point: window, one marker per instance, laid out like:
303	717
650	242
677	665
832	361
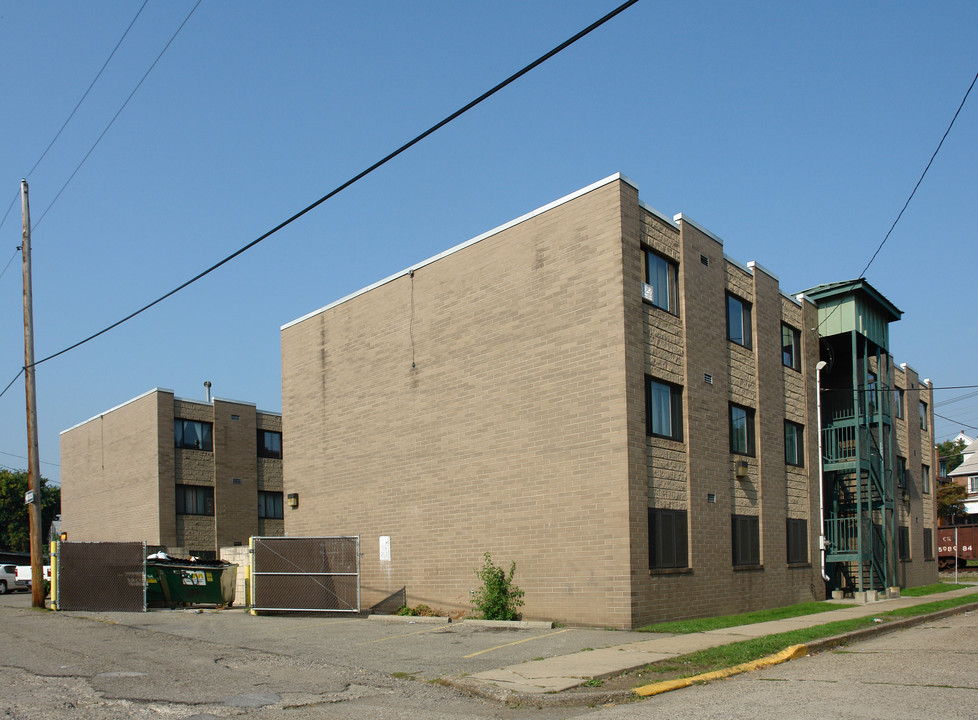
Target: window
667	539
664	409
925	478
738	321
791	347
898	403
270	505
797	540
901	472
746	539
195	500
269	444
923	415
794	443
662	276
192	434
973	484
928	544
870	393
903	542
741	430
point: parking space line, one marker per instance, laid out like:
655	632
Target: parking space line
394	637
498	647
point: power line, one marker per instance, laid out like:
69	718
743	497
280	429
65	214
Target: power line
972	427
119	112
20	457
359	176
72	114
17	250
913	192
862	275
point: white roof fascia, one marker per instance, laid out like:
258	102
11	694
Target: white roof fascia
681	217
467	243
662	216
753	264
121	405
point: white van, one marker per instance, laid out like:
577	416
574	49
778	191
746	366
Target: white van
25	575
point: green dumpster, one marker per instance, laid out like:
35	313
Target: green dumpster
170	583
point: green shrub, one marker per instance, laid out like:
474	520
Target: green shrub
498	598
418	611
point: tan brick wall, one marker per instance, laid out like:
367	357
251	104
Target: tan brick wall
478	407
109	475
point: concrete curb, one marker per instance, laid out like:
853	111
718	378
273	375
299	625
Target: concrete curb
409	619
789	653
520	624
513	698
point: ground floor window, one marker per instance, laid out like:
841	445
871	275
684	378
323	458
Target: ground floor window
903	542
668	540
928	544
746	539
797	540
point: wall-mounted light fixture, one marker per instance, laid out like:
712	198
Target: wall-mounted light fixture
293	499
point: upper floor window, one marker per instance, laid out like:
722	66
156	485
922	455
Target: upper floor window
923	415
898	403
270	505
195	500
738	321
791	347
973	484
269	444
794	443
901	472
741	430
925	478
192	434
662	277
664	409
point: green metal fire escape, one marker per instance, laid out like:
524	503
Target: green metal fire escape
857	438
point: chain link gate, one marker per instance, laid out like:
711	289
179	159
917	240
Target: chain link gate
101	576
311	574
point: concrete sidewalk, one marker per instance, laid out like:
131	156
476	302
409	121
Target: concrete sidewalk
553	675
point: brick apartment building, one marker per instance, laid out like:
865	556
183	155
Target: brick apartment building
188	475
594	391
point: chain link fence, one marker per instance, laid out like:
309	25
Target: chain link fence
314	574
101	576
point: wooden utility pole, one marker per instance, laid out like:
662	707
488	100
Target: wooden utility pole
33	498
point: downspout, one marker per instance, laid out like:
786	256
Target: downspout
821	476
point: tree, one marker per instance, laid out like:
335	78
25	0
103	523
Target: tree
15	522
950	452
950	501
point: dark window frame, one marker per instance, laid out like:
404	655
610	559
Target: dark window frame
901	472
903	542
799	437
898	400
668	539
796	531
744	332
675	408
750	449
672	281
195	500
745	540
925	479
205	435
928	544
790	347
263	449
271	500
923	415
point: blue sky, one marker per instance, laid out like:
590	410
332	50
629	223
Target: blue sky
793	131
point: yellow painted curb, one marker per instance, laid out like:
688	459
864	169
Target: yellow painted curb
789	653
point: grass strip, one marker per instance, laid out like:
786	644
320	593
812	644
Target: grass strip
931	589
683	627
737	653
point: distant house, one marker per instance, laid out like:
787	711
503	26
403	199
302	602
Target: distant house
966	475
187	475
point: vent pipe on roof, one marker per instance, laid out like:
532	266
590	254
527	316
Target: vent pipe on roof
207	390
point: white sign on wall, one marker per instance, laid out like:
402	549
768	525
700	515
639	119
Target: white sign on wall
385	547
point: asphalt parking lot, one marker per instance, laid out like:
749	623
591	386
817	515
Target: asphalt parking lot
417	649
